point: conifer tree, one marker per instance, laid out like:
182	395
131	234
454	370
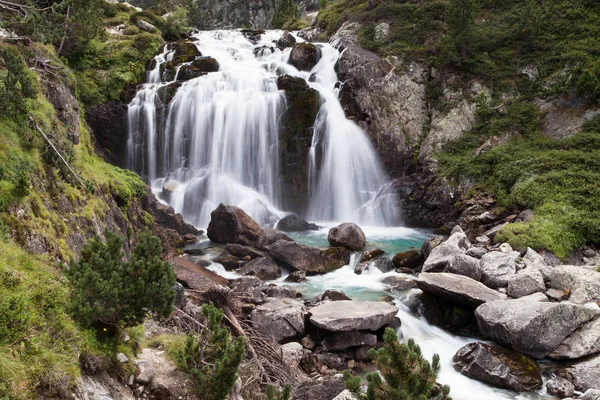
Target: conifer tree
406	374
212	357
274	394
460	17
19	83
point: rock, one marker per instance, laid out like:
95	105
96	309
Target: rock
184	52
458	289
332	360
497	268
483	241
303	258
311	18
591	394
333	295
109	125
492	232
228	261
269	236
347	235
586	374
348	315
382	31
583	342
190	238
144	372
293	351
343	340
560	387
296	277
345	395
527	281
304	56
399	283
230	224
206	64
535	297
312	34
323	390
525	215
441	255
180	299
263	268
557	295
293	223
408	259
263	51
145	26
583	283
286	40
532	328
280	318
249	289
533	259
279	292
242	251
431	244
499	367
464	265
476	252
370	255
307	343
122	358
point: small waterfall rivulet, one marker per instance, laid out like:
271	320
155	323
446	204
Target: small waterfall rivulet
217	141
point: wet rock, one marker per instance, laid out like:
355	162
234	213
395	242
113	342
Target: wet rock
527	281
230	262
343	340
239	250
399	282
431	244
310	260
560	387
230	224
333	295
441	255
185	52
347	235
499	367
268	236
343	316
280	318
293	223
263	268
144	372
583	342
370	255
279	292
304	56
586	374
296	277
408	259
583	283
263	51
286	40
457	288
206	64
108	122
464	265
532	328
497	268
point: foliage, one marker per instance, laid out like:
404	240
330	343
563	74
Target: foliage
285	11
109	293
212	357
275	394
19	83
460	18
406	374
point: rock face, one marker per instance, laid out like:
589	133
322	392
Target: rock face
497	268
263	268
280	318
584	284
269	236
309	260
586	374
305	56
532	328
583	342
499	367
527	281
349	315
60	95
230	224
108	122
231	14
457	288
347	235
345	340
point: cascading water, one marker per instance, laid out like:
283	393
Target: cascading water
217	141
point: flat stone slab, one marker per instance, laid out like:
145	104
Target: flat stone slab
349	315
459	289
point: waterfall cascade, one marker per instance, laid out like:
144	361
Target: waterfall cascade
217	141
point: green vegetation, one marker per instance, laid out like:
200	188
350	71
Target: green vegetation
406	374
287	16
212	358
275	394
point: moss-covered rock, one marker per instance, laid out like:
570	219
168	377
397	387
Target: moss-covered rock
305	56
185	52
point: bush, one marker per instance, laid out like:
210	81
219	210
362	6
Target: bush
109	293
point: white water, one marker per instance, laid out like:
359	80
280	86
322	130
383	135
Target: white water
217	141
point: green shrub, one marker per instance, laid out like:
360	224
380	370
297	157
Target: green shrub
285	11
19	82
274	394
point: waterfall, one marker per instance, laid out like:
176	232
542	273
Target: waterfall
217	140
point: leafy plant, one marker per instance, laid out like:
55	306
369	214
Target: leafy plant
275	394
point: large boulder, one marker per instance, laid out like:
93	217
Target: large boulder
410	259
463	264
440	256
586	374
293	223
305	56
344	340
230	224
583	283
527	281
583	342
498	267
533	259
560	387
184	51
268	236
499	367
286	40
349	315
531	327
279	318
458	289
347	235
312	261
263	268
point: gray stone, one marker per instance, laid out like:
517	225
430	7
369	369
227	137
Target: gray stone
533	328
457	288
349	315
583	283
583	342
263	268
591	394
326	389
497	268
399	282
347	235
145	26
464	265
586	374
560	387
345	395
533	259
527	281
304	56
382	31
230	224
268	236
122	358
280	318
535	297
293	352
499	367
344	340
144	372
180	299
310	260
441	255
556	295
477	252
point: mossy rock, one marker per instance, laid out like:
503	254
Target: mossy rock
167	92
206	64
185	52
305	56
